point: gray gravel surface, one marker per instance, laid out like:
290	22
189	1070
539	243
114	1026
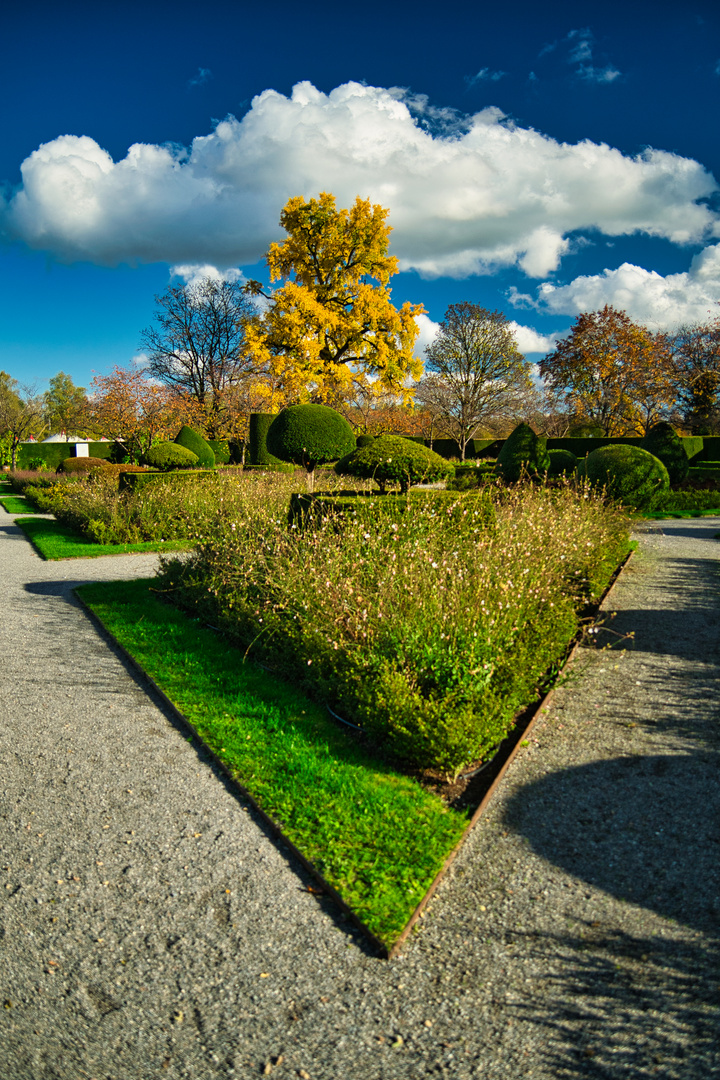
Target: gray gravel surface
149	927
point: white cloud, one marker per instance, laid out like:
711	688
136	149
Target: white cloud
193	273
466	195
530	341
661	303
483	75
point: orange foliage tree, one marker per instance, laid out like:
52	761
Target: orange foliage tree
611	372
128	406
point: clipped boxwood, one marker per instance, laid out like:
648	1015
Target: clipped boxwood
221	450
629	474
259	427
523	454
391	459
458	510
364	440
81	465
169	455
310	435
133	481
191	440
664	443
562	462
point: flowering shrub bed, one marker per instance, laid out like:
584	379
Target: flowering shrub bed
427	634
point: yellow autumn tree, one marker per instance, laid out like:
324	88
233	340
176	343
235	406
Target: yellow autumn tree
332	315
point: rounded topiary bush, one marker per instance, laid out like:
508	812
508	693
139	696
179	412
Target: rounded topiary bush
628	473
192	441
522	454
663	442
392	459
169	455
310	435
365	440
562	462
81	465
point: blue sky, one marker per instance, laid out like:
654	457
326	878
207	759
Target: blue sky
540	159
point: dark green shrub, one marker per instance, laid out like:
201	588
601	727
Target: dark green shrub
310	435
630	475
35	463
133	481
169	455
663	442
390	459
81	465
523	454
364	440
561	462
259	427
456	510
192	441
221	450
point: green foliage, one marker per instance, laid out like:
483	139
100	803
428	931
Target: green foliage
377	835
562	462
364	440
134	481
259	453
441	509
191	440
427	632
685	504
81	465
629	474
54	540
310	435
523	454
169	455
221	450
390	459
663	442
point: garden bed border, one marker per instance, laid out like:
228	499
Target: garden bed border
499	765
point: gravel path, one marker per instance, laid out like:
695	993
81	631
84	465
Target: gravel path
149	928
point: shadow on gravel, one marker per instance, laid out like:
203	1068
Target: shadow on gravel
617	1006
645	830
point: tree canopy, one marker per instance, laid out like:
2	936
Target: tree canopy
198	344
65	406
333	316
21	415
475	369
612	372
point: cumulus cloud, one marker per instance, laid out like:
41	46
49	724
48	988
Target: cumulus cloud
466	195
530	341
194	273
661	303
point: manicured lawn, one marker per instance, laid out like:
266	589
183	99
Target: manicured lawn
15	504
377	836
55	541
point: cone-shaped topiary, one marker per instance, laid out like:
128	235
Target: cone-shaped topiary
391	459
523	454
664	443
309	435
192	441
628	473
169	455
561	462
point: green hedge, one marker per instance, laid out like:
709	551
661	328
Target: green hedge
259	453
53	453
221	450
309	508
133	481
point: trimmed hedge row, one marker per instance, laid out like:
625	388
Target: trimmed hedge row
309	509
53	453
133	481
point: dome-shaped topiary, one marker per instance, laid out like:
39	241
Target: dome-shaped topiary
391	459
309	435
628	473
365	440
522	454
169	455
82	465
561	462
663	442
192	441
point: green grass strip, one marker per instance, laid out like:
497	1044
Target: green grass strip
55	541
659	515
377	836
15	504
